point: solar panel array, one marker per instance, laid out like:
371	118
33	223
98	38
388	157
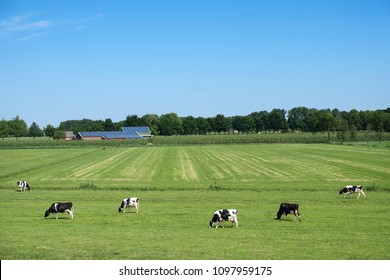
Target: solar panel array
126	133
136	129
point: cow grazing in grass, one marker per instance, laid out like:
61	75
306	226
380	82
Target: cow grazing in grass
60	207
352	189
23	185
288	208
224	215
128	203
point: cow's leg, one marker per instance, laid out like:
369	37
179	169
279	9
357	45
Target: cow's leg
363	193
292	212
70	214
358	195
136	209
57	216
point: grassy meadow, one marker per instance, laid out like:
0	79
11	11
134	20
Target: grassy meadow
179	189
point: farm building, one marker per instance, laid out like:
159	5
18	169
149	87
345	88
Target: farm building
69	135
132	132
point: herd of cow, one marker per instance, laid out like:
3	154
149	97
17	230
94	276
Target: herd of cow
219	216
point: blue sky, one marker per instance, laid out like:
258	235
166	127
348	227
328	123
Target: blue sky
62	60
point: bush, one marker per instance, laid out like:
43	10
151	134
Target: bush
88	186
214	187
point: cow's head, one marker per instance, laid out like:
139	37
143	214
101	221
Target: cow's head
47	213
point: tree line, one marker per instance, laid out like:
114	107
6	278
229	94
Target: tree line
298	119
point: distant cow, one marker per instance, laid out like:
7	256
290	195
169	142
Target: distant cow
23	185
60	207
288	208
224	215
352	189
129	202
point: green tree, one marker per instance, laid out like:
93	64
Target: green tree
151	121
261	120
5	130
202	126
277	120
221	124
18	127
35	131
59	135
297	119
49	130
243	124
352	132
384	120
189	125
326	122
379	132
170	124
354	118
237	123
108	125
342	131
133	120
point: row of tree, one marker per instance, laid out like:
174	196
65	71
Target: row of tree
278	120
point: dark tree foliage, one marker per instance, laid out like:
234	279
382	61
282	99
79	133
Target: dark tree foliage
49	130
170	124
18	127
133	120
35	131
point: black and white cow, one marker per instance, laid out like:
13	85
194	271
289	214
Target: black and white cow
224	215
60	207
23	185
129	202
288	208
352	189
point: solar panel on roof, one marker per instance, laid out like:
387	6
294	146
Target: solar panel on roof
125	133
136	129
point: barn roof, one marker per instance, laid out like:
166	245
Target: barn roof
133	132
136	129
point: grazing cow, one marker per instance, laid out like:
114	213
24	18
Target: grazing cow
224	215
352	189
60	207
287	208
23	185
129	202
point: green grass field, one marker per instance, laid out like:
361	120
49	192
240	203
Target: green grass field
180	188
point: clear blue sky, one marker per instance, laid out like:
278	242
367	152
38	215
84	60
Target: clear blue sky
70	59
